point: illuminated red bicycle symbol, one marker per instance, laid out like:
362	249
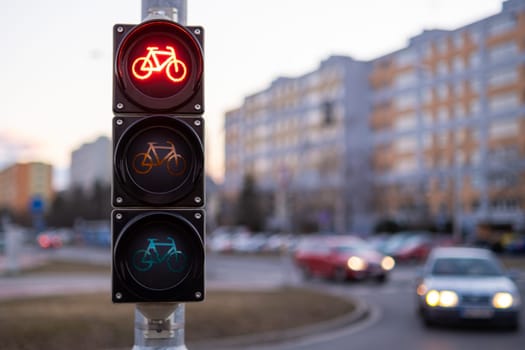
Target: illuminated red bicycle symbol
175	69
143	162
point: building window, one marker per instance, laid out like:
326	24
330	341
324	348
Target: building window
502	77
503	102
442	115
503	51
405	101
504	128
427	94
405	58
475	36
459	110
442	46
474	60
406	79
458	40
405	144
442	68
405	122
328	113
502	25
458	65
405	165
442	91
474	107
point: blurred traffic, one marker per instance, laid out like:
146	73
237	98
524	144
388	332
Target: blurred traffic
460	284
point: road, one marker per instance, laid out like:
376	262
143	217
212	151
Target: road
392	322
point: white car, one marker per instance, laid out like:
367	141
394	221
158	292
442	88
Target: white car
467	285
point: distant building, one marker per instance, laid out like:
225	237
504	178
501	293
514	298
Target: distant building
303	139
26	186
91	163
448	119
430	133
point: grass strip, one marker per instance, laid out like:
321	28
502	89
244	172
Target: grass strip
93	322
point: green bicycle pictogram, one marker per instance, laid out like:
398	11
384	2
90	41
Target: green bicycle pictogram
144	259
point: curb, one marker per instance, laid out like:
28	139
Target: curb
360	313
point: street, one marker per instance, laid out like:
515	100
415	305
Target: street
391	323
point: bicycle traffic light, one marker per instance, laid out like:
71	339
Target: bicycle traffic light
158	221
158	68
158	161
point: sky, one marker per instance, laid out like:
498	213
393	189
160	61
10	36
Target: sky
57	58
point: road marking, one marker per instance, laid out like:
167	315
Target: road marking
374	315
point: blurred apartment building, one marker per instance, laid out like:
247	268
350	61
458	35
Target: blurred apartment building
91	163
430	132
26	187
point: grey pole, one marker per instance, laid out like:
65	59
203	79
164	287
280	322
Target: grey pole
160	326
171	9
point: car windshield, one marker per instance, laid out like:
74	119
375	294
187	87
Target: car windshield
352	249
465	267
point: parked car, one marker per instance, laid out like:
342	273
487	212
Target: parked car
341	258
459	284
414	247
49	239
220	242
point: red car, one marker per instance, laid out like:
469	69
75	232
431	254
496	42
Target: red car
341	258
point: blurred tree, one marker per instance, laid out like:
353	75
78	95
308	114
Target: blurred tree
249	211
76	203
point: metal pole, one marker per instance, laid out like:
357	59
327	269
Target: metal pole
160	326
170	9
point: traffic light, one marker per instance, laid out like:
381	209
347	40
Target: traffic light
158	221
158	68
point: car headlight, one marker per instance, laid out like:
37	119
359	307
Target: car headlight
502	300
356	263
444	298
388	263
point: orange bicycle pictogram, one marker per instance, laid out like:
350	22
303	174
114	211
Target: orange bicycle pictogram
143	162
159	61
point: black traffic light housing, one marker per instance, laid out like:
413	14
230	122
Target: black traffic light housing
158	195
158	161
158	255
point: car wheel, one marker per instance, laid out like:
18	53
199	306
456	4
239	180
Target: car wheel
426	320
339	274
514	326
382	278
306	273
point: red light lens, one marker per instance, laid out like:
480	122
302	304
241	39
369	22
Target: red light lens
158	66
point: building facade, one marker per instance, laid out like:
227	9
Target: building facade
302	140
26	187
90	164
447	115
429	133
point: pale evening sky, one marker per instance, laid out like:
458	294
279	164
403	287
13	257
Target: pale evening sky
57	59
